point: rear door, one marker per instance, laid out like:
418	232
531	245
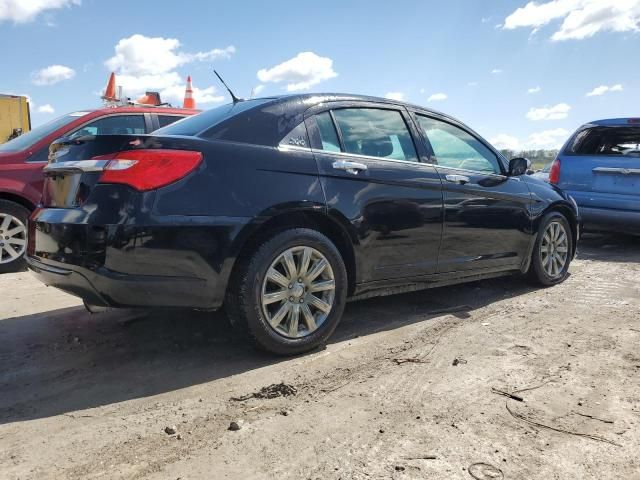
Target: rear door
372	174
486	213
600	167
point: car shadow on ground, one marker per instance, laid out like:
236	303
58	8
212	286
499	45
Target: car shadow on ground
609	247
67	360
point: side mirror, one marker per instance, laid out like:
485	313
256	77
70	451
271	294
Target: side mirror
518	166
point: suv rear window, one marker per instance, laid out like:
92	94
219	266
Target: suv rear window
607	141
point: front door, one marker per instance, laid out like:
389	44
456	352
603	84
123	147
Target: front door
371	173
486	213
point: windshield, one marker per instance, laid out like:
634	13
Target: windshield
198	123
30	138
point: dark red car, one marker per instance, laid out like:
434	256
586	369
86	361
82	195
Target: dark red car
22	160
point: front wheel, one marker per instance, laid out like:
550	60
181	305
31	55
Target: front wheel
13	236
290	293
552	251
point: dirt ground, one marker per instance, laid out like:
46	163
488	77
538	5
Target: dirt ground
403	390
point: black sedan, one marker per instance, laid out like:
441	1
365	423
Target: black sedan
281	209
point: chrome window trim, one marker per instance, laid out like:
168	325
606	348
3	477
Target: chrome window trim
369	157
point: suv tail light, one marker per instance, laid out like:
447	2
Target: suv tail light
149	169
554	172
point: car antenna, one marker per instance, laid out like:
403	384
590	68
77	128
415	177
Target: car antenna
233	97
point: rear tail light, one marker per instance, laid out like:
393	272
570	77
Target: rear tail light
149	169
554	172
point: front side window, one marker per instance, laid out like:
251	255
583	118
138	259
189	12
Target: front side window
455	148
375	133
113	125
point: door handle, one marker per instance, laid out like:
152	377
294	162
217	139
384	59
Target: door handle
460	179
350	167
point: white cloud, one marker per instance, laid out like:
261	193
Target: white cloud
22	11
52	74
437	97
547	139
149	64
140	55
557	112
581	18
505	142
257	90
485	19
602	89
533	90
472	84
399	96
496	71
46	108
300	72
544	140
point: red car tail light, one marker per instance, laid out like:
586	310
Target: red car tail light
554	172
149	169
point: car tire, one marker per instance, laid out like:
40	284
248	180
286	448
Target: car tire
552	252
12	217
252	286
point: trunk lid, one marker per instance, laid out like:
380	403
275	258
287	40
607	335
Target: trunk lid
76	164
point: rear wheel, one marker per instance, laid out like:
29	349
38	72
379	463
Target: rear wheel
290	293
13	236
552	252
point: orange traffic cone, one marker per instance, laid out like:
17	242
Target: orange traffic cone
110	92
189	101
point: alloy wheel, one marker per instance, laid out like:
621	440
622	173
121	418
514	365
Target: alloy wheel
13	238
554	249
298	292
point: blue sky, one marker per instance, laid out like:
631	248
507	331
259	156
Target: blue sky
519	72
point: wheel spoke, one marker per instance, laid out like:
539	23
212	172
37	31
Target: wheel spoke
294	318
319	304
316	270
309	319
11	251
304	262
276	277
290	264
322	286
269	298
5	223
280	315
562	249
14	231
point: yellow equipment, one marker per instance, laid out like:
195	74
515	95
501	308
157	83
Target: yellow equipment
15	118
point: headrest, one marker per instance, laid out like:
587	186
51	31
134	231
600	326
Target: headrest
377	147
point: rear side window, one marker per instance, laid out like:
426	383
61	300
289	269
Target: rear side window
113	125
328	134
165	120
296	137
456	148
607	141
375	133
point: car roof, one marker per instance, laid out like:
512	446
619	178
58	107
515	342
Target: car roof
615	122
307	100
135	108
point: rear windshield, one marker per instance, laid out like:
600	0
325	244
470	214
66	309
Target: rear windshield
26	140
607	141
203	121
